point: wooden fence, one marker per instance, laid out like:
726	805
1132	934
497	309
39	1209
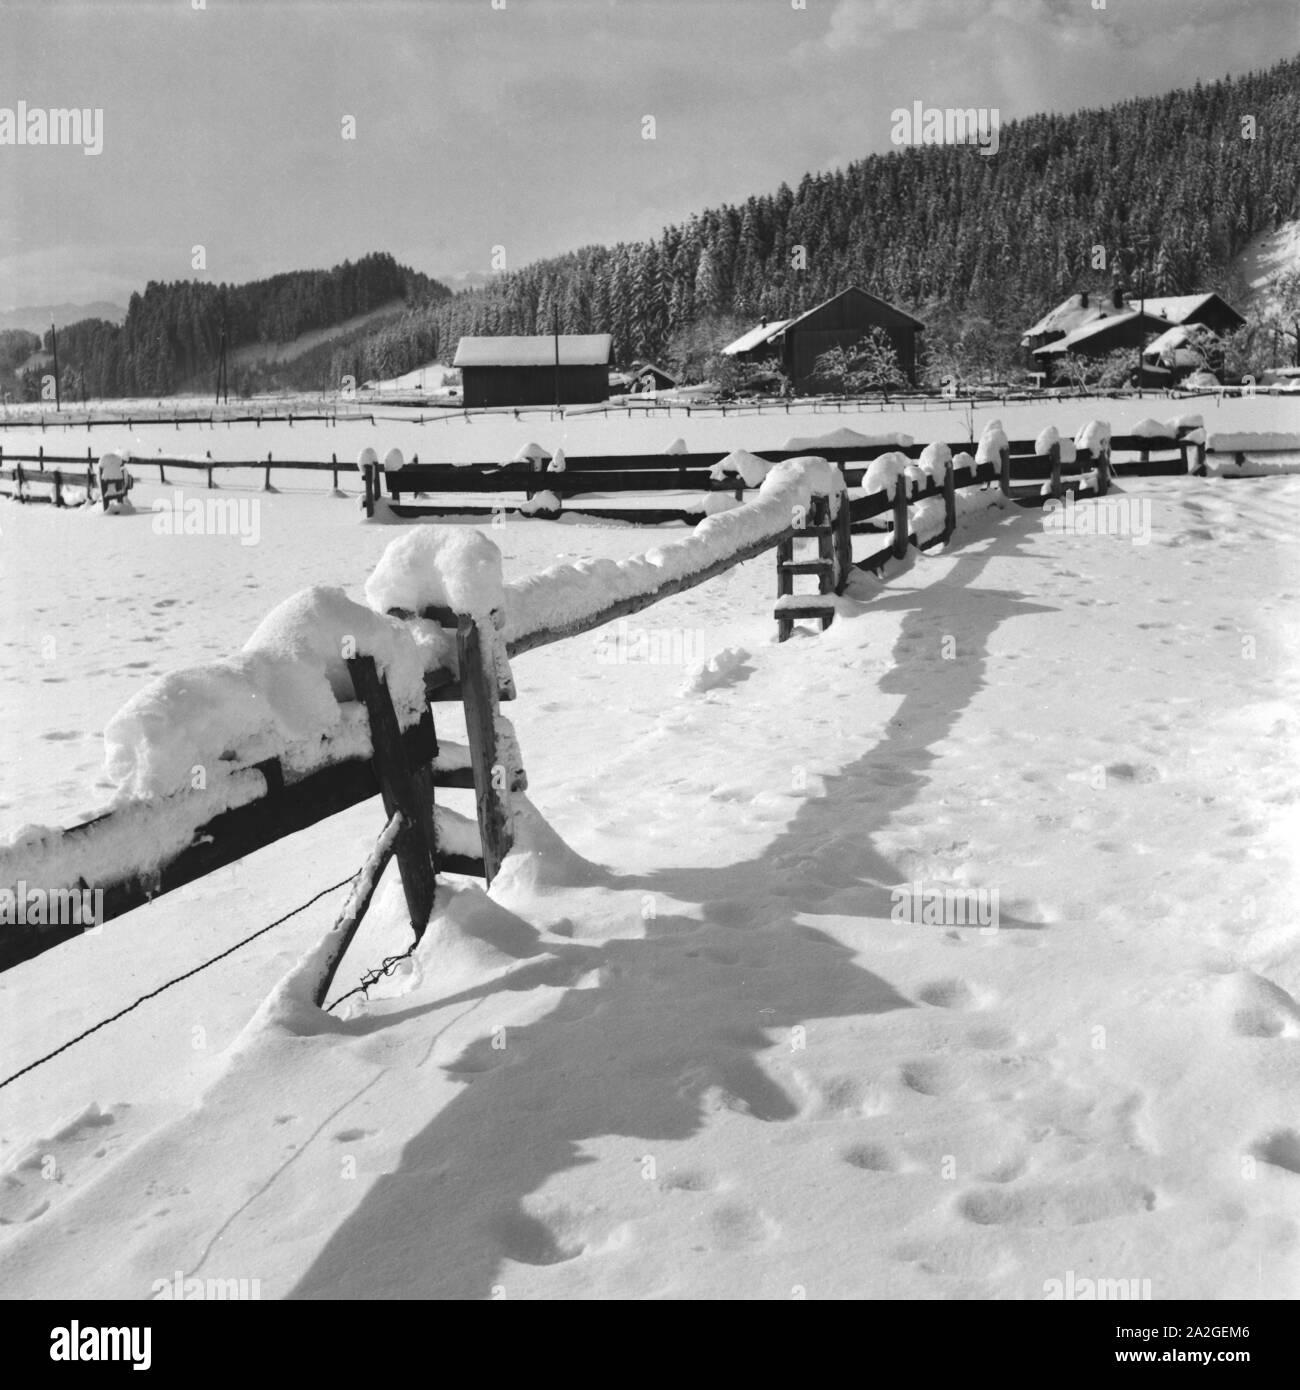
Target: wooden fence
582	476
267	803
405	768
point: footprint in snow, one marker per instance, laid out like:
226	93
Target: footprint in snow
952	993
1262	1009
873	1158
1280	1149
1047	1205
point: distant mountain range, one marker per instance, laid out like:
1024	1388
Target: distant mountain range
36	318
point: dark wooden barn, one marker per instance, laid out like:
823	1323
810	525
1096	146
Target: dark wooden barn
839	322
568	369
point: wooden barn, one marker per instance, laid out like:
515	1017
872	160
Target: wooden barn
568	369
839	322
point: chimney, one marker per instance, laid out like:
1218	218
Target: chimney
1083	299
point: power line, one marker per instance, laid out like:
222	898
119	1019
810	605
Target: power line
153	993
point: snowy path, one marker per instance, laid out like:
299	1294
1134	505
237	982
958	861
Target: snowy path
689	1054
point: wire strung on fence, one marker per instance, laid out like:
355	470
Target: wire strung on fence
154	993
373	977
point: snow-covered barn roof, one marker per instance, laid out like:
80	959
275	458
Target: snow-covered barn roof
575	350
764	333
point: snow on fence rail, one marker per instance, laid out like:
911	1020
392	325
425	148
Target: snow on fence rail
1175	446
328	704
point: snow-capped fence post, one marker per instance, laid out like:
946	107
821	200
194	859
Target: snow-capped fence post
401	791
1103	471
1004	470
58	488
901	527
479	682
1054	457
949	503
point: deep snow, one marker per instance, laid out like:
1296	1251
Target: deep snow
685	1047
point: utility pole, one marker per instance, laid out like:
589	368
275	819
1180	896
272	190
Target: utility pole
54	346
1141	247
555	326
1142	313
223	383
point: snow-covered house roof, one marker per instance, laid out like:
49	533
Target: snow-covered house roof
756	337
574	349
1081	336
1172	338
1073	313
1177	308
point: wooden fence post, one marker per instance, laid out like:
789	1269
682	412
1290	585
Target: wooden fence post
1103	470
266	482
334	461
414	843
843	544
162	472
1054	454
901	527
949	503
40	453
1004	470
479	683
58	488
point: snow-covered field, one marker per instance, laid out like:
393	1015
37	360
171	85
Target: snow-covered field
686	1047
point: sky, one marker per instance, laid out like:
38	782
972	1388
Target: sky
517	124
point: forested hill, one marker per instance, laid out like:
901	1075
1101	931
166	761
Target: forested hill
172	331
1179	182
